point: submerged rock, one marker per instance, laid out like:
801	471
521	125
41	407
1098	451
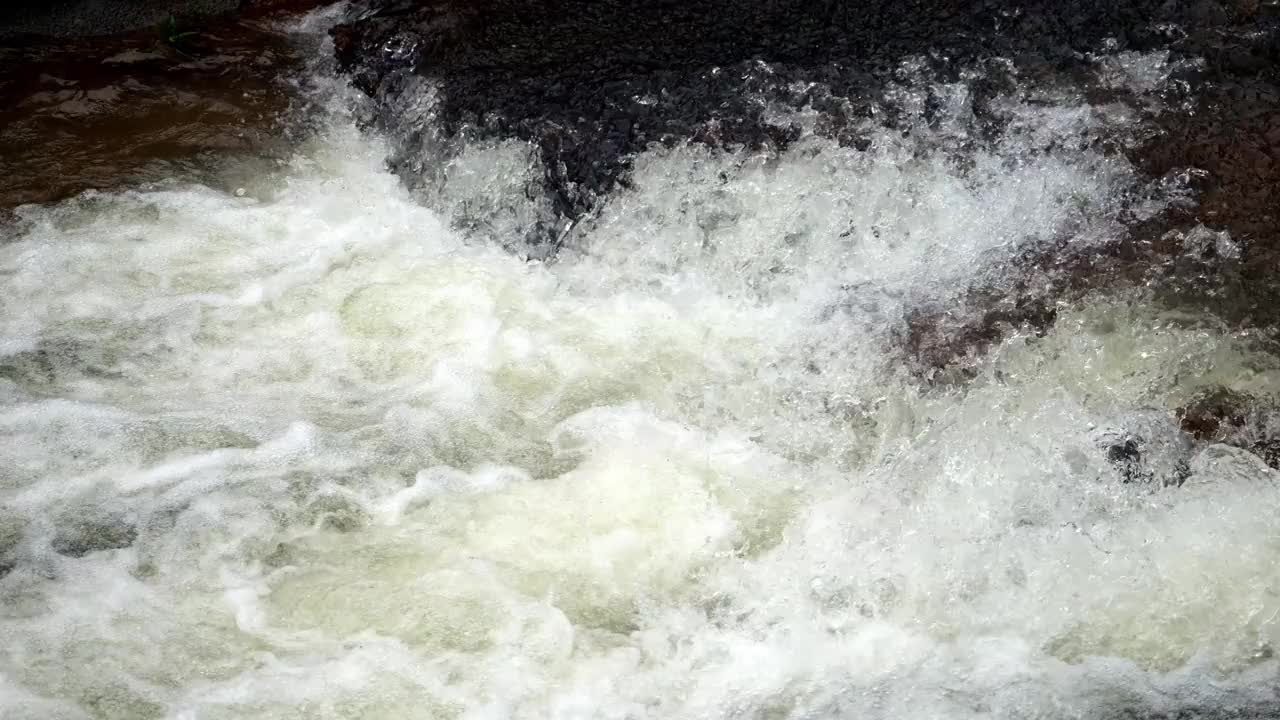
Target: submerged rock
1226	417
88	533
1147	447
1217	136
1227	463
1214	414
11	530
1169	447
1126	456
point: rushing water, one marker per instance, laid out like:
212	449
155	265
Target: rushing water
318	448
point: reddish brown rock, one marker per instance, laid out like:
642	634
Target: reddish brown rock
1226	140
1212	416
1245	421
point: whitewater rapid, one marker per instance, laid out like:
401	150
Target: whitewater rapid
309	445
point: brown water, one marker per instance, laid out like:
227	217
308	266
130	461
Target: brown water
95	113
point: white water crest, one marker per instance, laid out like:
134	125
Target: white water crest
312	451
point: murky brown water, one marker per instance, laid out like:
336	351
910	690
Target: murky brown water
84	113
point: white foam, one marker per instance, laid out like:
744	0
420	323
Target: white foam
381	468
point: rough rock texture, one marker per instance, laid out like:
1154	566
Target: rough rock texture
1233	136
1220	254
591	82
1232	418
82	536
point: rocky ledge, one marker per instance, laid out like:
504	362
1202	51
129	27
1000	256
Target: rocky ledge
592	82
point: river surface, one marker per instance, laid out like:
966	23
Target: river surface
314	446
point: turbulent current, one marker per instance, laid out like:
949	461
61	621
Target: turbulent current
313	445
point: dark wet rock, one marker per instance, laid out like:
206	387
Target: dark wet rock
55	361
11	531
1224	416
88	533
98	112
1155	446
336	512
1147	447
591	83
1218	254
938	340
1211	415
1259	710
1269	450
1233	135
1126	456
